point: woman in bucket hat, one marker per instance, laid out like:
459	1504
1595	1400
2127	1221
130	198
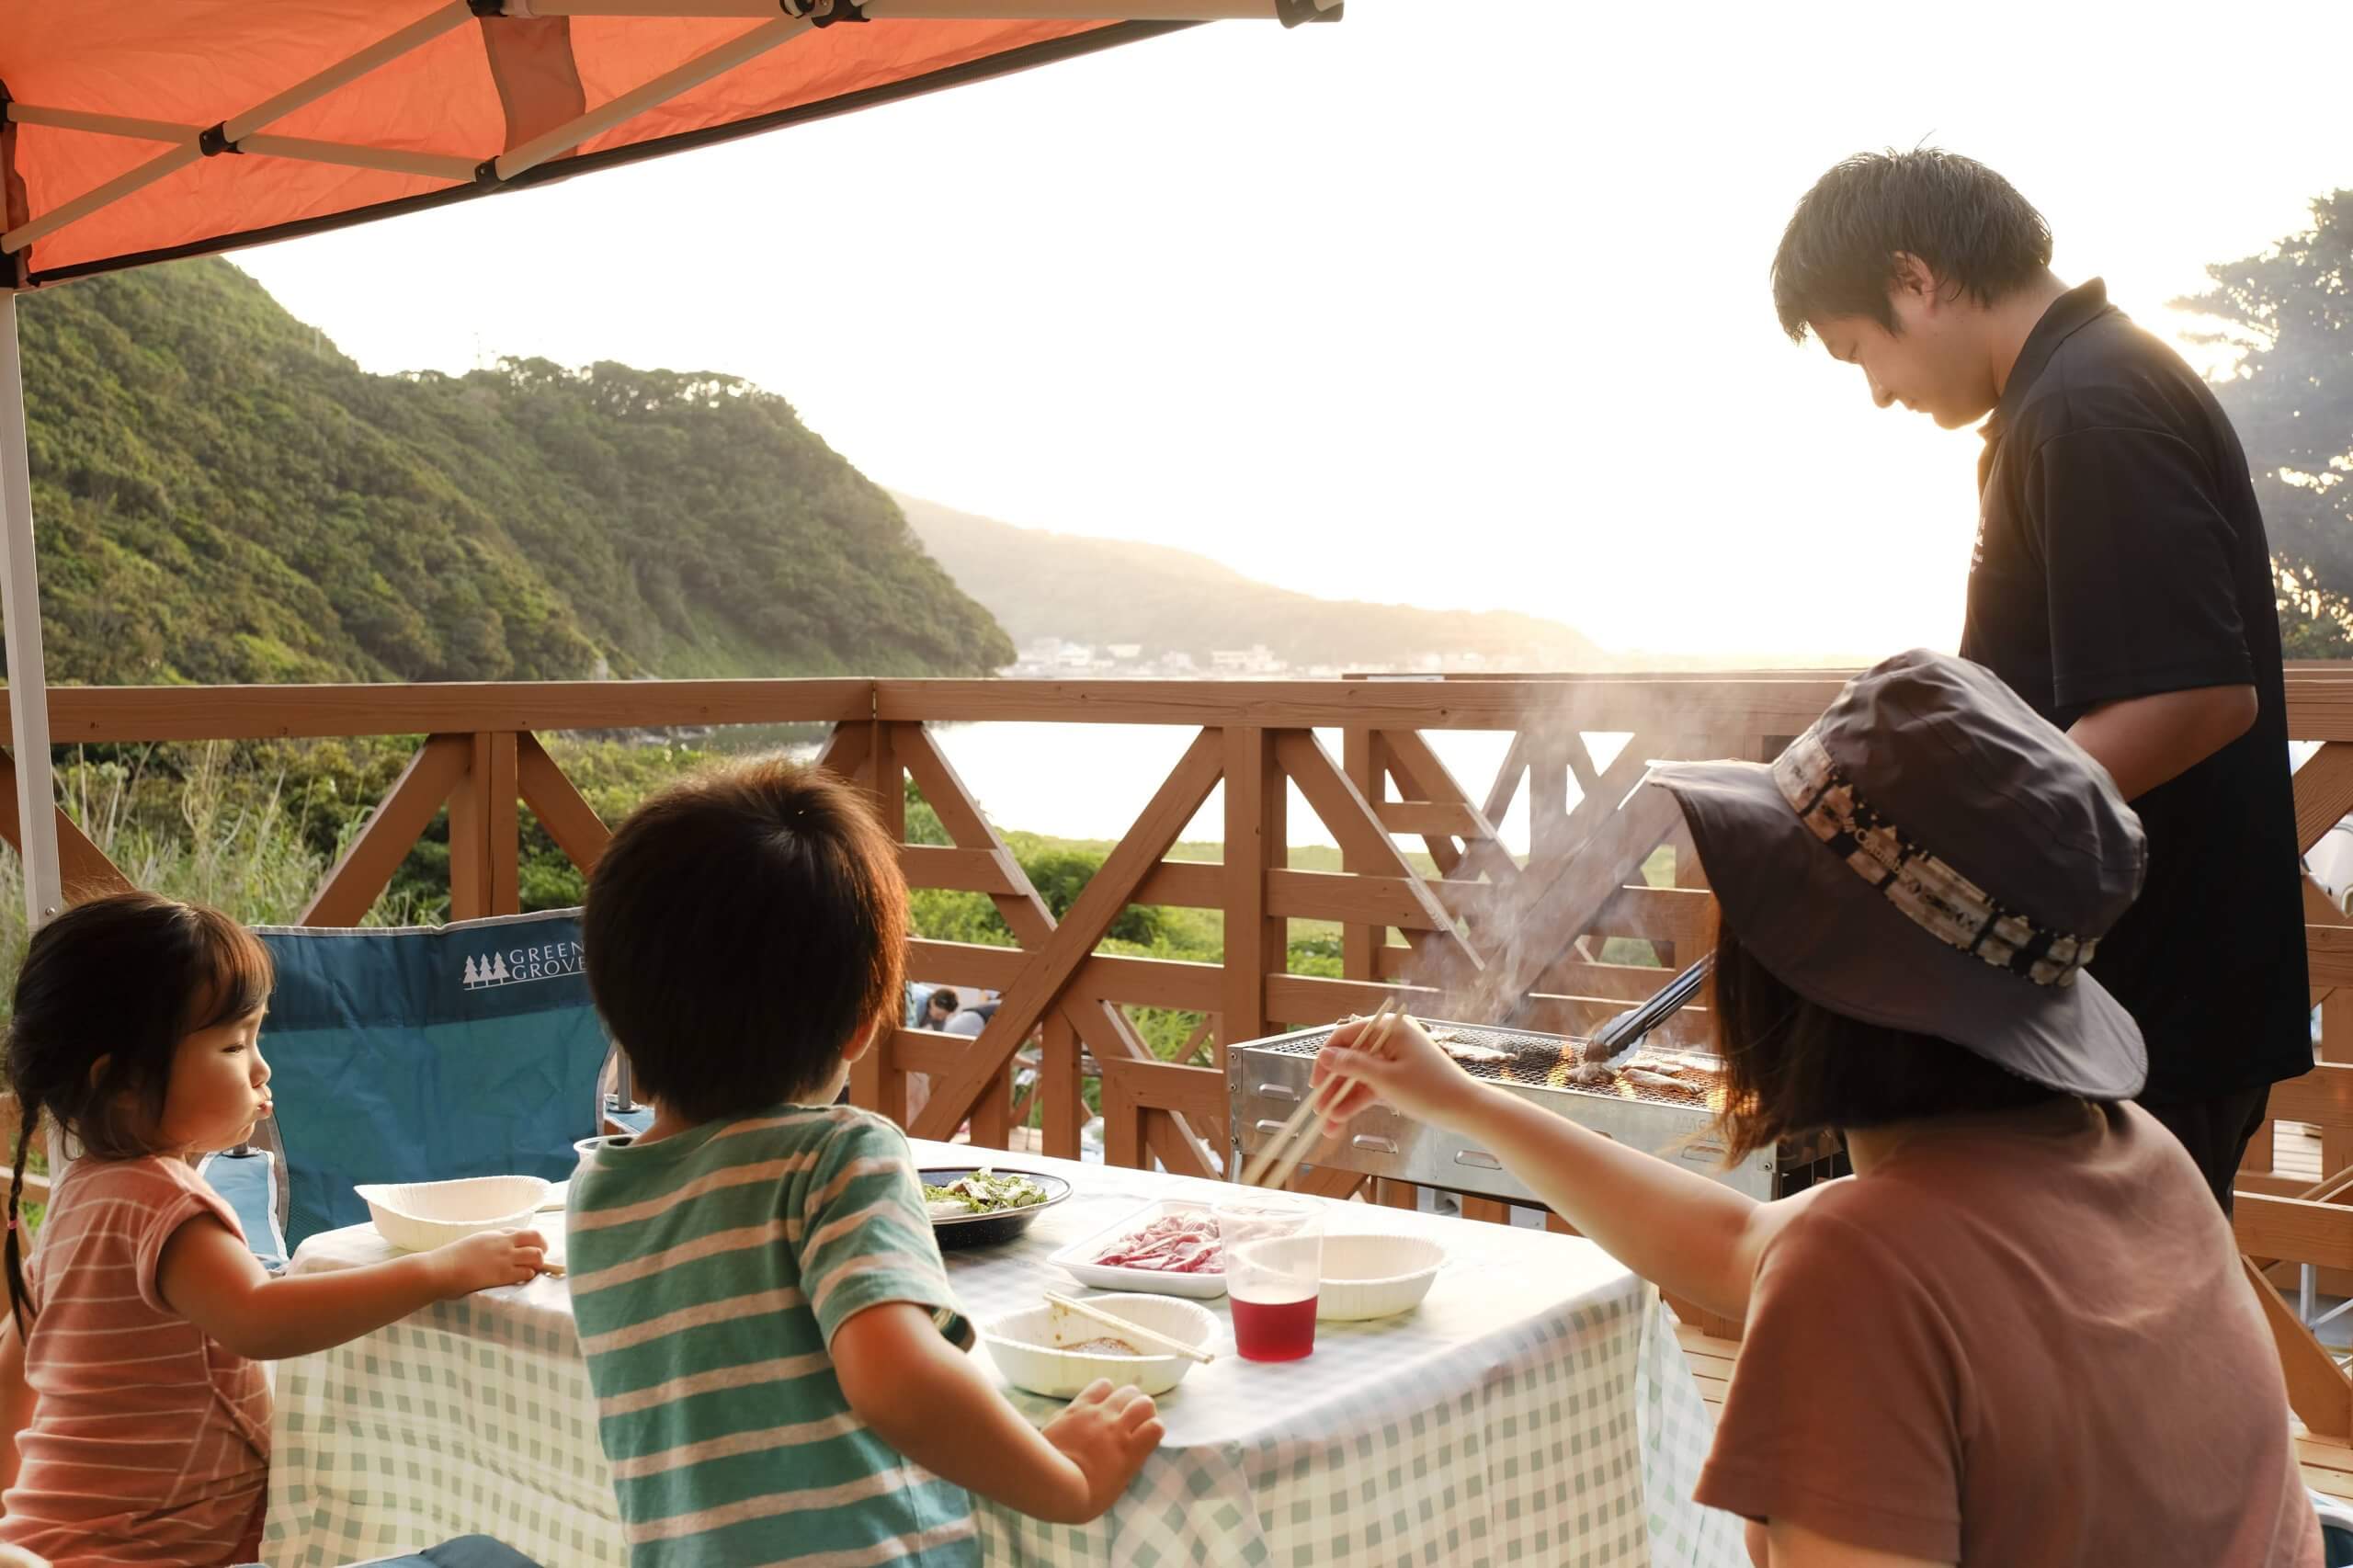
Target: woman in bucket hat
2020	1334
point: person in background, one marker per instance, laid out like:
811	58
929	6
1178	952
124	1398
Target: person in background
2120	584
2021	1333
780	1368
970	1021
134	1419
939	1007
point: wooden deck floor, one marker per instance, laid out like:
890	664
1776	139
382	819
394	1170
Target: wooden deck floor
2328	1462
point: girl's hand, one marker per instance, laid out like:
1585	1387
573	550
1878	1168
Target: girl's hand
1403	1068
494	1257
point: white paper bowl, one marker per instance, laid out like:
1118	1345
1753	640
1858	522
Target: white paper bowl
418	1216
1375	1274
1027	1346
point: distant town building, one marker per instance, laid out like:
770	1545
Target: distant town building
1255	660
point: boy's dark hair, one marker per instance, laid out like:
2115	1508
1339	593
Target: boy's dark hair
1793	1066
124	978
1972	227
743	926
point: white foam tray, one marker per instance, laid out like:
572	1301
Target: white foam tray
1075	1259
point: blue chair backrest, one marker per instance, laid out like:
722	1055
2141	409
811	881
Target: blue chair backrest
426	1053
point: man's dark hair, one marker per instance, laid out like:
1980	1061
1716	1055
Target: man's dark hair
743	926
1969	224
1793	1066
942	1000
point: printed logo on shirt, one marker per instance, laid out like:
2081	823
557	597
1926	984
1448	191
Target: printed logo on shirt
520	966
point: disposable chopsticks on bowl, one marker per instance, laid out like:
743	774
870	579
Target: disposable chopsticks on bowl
1133	1330
1276	1162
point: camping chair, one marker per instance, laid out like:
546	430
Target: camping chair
423	1054
251	1177
466	1552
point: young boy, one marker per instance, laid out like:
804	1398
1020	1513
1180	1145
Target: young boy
2122	586
780	1366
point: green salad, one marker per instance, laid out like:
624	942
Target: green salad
982	1192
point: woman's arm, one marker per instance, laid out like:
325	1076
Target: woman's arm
1691	1236
926	1400
208	1276
1794	1546
17	1398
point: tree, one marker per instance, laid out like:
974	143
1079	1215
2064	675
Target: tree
2289	311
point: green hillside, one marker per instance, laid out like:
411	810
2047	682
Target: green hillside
221	497
1101	590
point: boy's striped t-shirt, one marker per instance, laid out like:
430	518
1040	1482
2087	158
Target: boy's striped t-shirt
708	1272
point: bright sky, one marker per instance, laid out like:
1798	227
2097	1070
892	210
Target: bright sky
1455	304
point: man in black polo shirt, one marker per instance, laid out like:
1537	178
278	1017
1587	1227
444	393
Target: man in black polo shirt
2120	584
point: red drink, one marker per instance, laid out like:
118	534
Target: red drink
1273	1330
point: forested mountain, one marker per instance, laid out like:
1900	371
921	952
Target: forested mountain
221	497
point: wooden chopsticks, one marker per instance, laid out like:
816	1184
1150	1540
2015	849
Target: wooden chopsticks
1071	1305
1291	1141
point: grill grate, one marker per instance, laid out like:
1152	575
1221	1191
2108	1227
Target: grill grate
1545	1061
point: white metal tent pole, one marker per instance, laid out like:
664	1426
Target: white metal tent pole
28	684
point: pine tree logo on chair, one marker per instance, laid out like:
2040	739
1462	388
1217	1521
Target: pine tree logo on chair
519	966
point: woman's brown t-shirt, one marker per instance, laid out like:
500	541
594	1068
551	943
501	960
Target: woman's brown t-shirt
2023	1340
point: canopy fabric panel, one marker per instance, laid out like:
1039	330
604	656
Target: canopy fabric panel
454	89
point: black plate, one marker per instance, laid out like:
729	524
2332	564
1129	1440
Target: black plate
990	1230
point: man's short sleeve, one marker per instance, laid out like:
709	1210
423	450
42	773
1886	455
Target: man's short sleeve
864	1235
2137	555
1841	1412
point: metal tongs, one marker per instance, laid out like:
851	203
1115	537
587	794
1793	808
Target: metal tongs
1616	1042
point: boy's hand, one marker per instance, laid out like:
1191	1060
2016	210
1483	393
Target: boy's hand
1409	1072
494	1257
1107	1433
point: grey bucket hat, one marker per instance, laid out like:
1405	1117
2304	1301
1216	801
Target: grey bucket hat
1933	855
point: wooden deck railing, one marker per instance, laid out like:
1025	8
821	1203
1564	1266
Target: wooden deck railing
1491	928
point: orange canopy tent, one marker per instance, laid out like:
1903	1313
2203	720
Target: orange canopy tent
139	131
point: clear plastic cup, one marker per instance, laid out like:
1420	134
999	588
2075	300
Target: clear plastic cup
1273	1245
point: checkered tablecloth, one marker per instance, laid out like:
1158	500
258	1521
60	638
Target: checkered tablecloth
1536	1409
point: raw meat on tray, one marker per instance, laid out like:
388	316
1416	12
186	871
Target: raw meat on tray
1173	1243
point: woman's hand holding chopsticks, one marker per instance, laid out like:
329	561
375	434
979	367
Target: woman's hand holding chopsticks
1402	1067
1692	1236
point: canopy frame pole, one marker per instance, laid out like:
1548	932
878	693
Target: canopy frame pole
106	195
306	149
455	14
103	124
28	680
934	10
220	137
430	165
745	46
1086	10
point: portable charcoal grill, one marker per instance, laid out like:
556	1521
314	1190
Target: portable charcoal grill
1268	1079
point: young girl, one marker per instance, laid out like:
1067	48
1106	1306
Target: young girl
2022	1334
134	1423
